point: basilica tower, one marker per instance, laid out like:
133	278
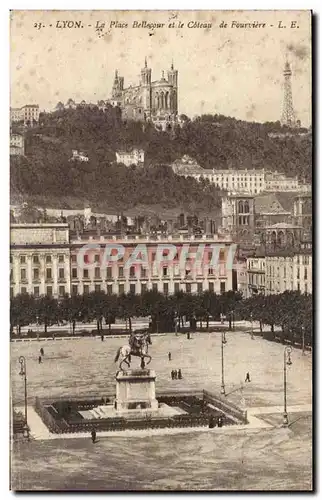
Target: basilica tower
173	80
146	88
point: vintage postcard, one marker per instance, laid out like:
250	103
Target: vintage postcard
161	250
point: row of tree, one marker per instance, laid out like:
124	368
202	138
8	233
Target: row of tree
292	311
101	307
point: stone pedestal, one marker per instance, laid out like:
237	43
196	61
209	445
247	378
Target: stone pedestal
135	390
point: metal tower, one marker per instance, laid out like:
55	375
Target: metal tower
288	115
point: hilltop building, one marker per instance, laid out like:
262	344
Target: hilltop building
17	145
28	114
155	101
133	157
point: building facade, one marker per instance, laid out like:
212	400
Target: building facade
256	277
17	145
155	101
39	259
128	158
167	278
289	270
28	114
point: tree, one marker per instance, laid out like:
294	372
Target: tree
22	311
47	311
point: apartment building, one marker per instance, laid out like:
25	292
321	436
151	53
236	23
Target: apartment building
28	114
128	158
17	145
289	270
39	259
168	277
256	277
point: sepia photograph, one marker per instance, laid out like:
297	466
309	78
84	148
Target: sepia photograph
161	310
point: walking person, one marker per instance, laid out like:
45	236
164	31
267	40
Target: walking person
247	379
169	356
102	338
175	374
39	359
172	374
42	352
179	374
93	434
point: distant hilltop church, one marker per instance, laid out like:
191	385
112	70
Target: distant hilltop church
149	101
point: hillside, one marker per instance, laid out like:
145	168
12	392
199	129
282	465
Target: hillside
214	141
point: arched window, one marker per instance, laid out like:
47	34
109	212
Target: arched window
280	238
162	100
240	207
166	100
246	207
273	237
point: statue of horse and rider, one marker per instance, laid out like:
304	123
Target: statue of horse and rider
138	346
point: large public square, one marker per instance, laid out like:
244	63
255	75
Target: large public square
273	458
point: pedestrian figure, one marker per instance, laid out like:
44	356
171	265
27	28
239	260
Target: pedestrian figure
93	434
39	359
188	335
169	356
102	338
172	374
42	352
219	421
179	374
175	374
247	379
211	422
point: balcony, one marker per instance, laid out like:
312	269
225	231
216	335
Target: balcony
62	280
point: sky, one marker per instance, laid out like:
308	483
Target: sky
234	71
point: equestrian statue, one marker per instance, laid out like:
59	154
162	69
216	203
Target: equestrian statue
138	346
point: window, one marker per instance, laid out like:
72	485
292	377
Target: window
210	271
165	288
298	273
121	272
143	288
97	288
154	287
96	258
49	291
188	287
61	291
109	289
132	272
121	289
23	289
211	286
284	272
132	288
61	273
36	274
176	287
85	274
35	259
74	258
74	272
61	258
108	273
306	260
23	274
48	259
97	273
222	287
86	289
305	288
199	287
305	273
143	272
165	271
36	291
74	289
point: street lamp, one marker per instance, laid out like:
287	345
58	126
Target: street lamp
23	373
223	342
303	342
287	361
252	331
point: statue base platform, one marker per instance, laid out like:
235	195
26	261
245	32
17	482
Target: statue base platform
135	390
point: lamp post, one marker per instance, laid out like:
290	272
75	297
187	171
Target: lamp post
223	342
303	342
252	331
23	373
287	362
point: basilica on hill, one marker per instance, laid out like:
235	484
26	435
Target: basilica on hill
155	101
